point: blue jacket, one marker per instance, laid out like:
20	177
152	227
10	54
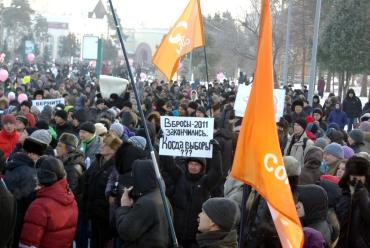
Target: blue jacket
339	117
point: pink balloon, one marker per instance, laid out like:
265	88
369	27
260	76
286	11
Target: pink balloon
3	75
2	55
22	97
31	57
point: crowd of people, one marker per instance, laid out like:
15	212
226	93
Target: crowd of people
81	173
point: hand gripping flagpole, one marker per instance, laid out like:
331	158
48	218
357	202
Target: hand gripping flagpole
152	154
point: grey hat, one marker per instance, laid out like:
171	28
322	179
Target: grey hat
357	135
51	170
321	142
335	149
69	140
292	166
42	135
138	141
223	212
118	128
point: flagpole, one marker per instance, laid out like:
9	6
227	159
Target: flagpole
155	164
206	62
242	213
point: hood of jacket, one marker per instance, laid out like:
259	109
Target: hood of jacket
19	159
125	156
59	192
315	201
144	177
313	157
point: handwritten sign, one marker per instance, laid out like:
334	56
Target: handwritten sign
40	104
186	136
242	98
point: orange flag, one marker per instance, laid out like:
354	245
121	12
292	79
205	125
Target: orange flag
258	160
186	34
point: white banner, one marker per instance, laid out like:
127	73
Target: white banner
40	104
242	97
186	136
109	85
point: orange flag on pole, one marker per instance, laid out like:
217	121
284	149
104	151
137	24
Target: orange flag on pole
186	34
258	160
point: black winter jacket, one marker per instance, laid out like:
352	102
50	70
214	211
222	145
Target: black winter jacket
352	106
188	192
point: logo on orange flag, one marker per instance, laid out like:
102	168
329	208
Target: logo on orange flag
258	160
186	34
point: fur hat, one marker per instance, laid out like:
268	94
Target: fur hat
297	103
70	140
112	141
51	170
100	129
35	146
88	127
356	166
292	166
223	212
42	135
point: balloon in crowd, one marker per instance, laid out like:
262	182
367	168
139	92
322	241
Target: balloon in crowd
3	75
31	57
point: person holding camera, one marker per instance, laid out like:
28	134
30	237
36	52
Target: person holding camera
353	207
141	220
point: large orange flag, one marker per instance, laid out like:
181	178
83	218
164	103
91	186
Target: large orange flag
186	34
258	161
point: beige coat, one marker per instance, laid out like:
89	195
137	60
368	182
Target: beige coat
297	148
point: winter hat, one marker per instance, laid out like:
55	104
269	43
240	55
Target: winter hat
138	141
11	96
334	149
118	128
297	103
193	105
283	123
357	166
365	126
27	104
35	146
313	238
41	124
70	140
365	117
62	114
88	127
317	111
100	129
42	135
22	119
112	141
202	161
51	170
364	155
357	135
309	119
347	152
223	212
203	110
333	125
8	118
335	136
292	166
302	123
321	142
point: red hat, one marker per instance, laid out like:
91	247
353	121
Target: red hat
8	119
310	119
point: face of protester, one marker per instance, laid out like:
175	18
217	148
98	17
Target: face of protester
329	158
191	111
38	97
341	170
61	149
350	95
298	129
358	178
75	122
106	151
182	111
25	109
9	127
337	106
298	109
19	126
205	223
84	136
194	167
317	116
199	114
59	120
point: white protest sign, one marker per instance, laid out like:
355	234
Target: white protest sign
40	104
109	85
242	98
186	136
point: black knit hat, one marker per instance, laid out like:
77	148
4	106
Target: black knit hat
88	127
302	123
62	114
51	170
223	212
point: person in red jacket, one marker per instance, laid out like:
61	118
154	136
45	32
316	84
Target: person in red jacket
51	219
9	137
25	111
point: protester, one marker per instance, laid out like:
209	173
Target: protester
9	136
338	116
352	106
333	153
356	141
8	213
90	143
311	169
51	219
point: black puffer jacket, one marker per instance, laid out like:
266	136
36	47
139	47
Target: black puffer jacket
188	192
95	180
315	202
352	106
144	224
225	138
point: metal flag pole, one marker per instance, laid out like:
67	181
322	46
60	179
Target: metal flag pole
209	96
287	44
155	164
